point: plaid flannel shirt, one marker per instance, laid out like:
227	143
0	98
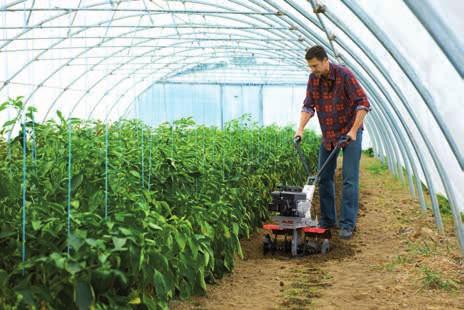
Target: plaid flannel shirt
335	99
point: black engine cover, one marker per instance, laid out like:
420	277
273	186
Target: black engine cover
286	202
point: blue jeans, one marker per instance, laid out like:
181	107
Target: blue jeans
350	196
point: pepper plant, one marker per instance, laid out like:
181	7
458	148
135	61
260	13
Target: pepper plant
154	213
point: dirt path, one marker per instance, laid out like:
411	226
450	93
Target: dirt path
394	261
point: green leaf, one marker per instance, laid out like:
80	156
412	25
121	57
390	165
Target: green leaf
206	229
141	259
120	216
235	229
61	117
73	267
3	106
180	240
206	257
119	243
75	242
135	173
154	226
9	123
17	102
76	181
103	257
92	242
193	247
83	295
36	225
169	241
126	232
239	249
201	279
58	260
160	285
135	301
110	225
226	232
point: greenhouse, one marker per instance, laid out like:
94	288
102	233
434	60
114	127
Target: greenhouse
154	153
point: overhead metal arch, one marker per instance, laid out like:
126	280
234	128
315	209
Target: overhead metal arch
122	96
139	68
38	25
66	63
311	37
54	44
377	143
79	55
122	64
440	32
6	6
86	27
144	78
124	92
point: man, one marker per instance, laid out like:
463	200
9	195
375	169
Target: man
341	105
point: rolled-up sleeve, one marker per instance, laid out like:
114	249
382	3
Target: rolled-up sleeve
356	93
308	103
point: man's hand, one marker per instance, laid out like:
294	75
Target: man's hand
352	135
298	133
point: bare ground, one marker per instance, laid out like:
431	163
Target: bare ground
396	260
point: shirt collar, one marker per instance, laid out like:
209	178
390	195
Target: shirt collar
331	73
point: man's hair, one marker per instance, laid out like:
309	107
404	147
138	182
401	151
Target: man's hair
317	52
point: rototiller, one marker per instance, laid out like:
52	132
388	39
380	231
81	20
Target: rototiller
294	218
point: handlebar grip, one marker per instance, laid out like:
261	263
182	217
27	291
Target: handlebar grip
344	139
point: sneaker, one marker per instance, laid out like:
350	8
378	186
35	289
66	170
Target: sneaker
345	233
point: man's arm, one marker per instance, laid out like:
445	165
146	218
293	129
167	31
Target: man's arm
360	114
304	119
